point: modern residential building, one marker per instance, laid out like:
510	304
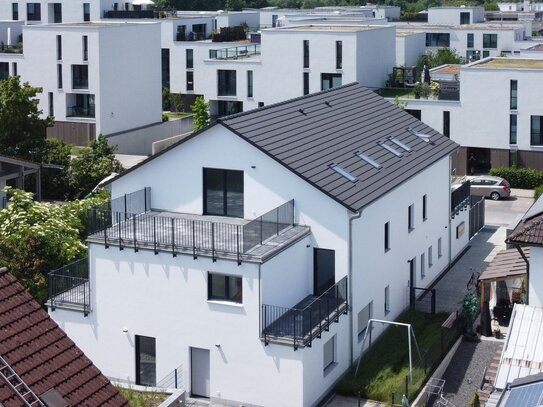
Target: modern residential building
261	270
456	15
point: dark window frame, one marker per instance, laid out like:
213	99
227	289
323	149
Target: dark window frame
86	11
59	47
513	94
226	82
57	13
85	48
387	236
327	80
35	14
339	55
250	84
189	58
190	81
59	76
138	339
227	296
424	207
306	54
15	11
447	123
438	40
536	138
470	40
490	41
80	76
51	105
513	129
306	83
225	174
411	217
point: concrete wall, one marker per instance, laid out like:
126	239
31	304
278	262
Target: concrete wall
409	48
451	15
536	277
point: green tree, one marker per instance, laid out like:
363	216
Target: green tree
200	108
491	6
55	157
22	131
36	237
92	165
440	57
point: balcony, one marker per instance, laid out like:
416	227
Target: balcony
11	49
460	198
238	52
124	14
300	325
80	111
178	233
68	287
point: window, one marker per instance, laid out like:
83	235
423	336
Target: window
387	299
430	257
424	208
80	76
85	48
189	58
59	76
306	54
410	217
330	80
486	54
4	70
447	123
15	11
470	40
33	11
223	192
51	107
86	11
513	95
387	236
439	248
536	138
363	319
199	31
306	83
416	113
513	129
228	107
221	287
145	360
339	54
190	80
57	13
422	266
437	40
464	18
59	48
80	105
260	104
227	82
14	68
249	84
329	354
165	64
490	41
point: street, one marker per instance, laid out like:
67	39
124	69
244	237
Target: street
504	212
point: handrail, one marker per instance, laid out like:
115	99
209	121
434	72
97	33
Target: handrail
271	223
173	380
69	285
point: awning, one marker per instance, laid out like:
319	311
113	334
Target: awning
506	264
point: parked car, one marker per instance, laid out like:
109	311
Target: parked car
490	187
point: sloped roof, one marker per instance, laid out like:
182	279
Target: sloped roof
506	264
310	133
43	356
529	230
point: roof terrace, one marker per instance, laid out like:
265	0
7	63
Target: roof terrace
509	63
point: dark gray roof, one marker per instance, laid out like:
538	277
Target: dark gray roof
310	133
529	230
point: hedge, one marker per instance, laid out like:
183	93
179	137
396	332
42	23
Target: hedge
525	178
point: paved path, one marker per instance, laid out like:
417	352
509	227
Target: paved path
506	211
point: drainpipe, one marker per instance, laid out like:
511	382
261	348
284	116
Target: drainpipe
523	255
449	213
352	217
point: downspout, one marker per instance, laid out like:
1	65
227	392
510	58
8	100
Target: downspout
523	255
352	217
449	209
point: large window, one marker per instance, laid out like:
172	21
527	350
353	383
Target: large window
4	70
306	53
363	319
536	138
513	94
15	11
221	287
80	76
190	58
470	40
227	82
190	80
447	123
490	41
249	84
145	360
33	11
513	129
339	55
223	192
330	80
86	11
438	40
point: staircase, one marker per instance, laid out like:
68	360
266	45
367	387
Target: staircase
16	384
490	376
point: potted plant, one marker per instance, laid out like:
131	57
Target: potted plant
470	309
434	90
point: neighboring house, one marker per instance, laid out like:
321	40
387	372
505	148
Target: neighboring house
39	365
456	15
14	170
525	391
263	246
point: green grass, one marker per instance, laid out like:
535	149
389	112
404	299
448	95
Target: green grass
383	369
141	398
400	92
177	115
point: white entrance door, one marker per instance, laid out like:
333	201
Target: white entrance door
199	372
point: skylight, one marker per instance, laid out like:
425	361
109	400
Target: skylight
422	136
342	171
401	144
369	160
391	149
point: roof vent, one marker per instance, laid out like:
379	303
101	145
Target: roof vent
391	149
342	171
422	136
401	144
369	160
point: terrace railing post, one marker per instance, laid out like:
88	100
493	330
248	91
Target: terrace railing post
194	242
264	324
125	206
51	291
213	242
120	234
336	297
277	221
261	230
320	320
173	238
238	229
154	235
294	328
105	238
145	199
85	313
346	293
134	227
327	316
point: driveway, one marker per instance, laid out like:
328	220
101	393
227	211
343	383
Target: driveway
505	211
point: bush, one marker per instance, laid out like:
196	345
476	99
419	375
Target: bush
475	400
538	191
525	178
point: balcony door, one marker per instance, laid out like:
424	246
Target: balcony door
223	192
324	270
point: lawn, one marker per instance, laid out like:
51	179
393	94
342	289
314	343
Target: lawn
384	368
177	115
402	93
142	398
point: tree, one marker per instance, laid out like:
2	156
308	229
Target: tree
440	57
22	131
200	108
55	158
92	165
491	6
36	237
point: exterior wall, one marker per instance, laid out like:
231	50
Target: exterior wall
460	242
390	13
535	285
409	48
451	15
72	10
374	268
232	19
373	71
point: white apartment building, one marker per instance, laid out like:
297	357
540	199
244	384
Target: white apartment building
295	224
456	15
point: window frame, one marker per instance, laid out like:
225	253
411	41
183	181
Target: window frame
387	299
225	176
513	128
86	11
250	88
339	55
306	54
35	15
15	11
227	296
490	41
329	363
422	266
470	40
439	248
190	81
306	83
137	347
329	79
430	256
411	218
226	82
189	58
424	207
387	236
447	123
539	134
513	94
85	40
369	310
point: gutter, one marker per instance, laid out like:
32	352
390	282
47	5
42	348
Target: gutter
523	255
352	217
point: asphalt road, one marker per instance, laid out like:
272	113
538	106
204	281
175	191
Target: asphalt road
504	212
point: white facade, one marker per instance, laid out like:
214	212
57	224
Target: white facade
535	281
456	15
409	47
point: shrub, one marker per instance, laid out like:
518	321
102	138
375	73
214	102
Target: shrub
525	178
475	400
538	191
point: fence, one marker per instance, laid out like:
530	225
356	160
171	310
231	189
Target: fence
424	300
460	198
173	380
272	223
69	285
476	214
303	325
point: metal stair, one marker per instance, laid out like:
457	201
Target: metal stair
18	386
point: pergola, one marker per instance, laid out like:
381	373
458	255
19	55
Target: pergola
15	168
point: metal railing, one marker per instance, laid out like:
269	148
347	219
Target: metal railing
423	299
130	14
476	214
460	198
11	49
173	380
271	223
302	326
69	285
236	52
79	111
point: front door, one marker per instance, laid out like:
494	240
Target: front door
324	270
199	372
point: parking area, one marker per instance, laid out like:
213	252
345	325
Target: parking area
505	211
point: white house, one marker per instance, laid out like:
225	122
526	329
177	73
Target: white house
263	246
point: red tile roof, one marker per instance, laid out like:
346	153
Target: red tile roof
43	356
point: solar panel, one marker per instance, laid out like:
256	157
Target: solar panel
530	395
340	170
369	160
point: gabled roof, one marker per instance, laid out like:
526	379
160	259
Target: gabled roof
310	133
43	356
529	230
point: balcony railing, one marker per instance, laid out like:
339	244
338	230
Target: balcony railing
69	287
236	52
130	14
80	83
300	325
460	198
79	111
11	49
